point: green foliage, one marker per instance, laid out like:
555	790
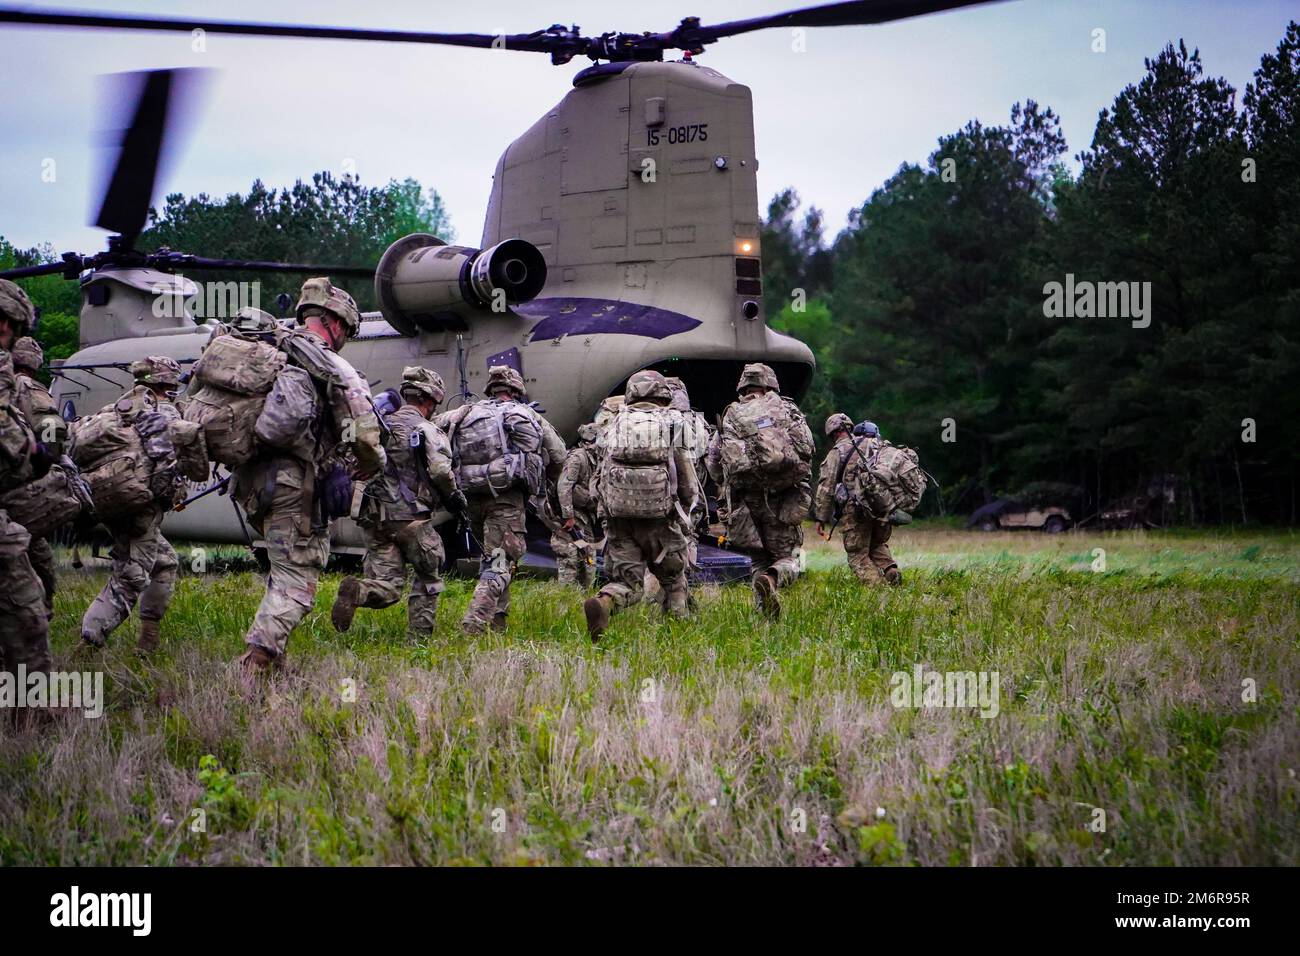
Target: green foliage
937	287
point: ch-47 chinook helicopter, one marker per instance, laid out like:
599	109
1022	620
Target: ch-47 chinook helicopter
622	233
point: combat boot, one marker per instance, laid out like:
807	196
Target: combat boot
597	610
765	597
253	663
149	637
893	575
345	605
498	622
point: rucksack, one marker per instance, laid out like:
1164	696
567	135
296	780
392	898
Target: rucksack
495	449
110	453
881	478
637	474
250	393
48	503
758	449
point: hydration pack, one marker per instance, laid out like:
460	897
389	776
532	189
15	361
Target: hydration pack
638	477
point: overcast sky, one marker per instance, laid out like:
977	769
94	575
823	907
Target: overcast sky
834	121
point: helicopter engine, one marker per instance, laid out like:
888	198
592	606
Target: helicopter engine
423	283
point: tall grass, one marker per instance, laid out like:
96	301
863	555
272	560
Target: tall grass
722	739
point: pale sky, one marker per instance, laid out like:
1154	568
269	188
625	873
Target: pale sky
834	121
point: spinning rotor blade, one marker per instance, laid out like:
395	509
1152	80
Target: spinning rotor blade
518	41
27	272
856	13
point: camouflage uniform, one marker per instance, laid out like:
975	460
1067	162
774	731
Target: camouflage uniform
144	564
278	491
768	524
634	546
497	519
398	510
574	559
866	541
24	624
695	434
37	405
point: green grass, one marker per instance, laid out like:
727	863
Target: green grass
723	739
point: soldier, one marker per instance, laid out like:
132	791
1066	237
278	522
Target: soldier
574	542
646	489
695	434
24	624
144	563
277	488
760	460
866	539
35	402
497	446
397	511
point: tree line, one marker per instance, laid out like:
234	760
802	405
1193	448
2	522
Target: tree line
969	307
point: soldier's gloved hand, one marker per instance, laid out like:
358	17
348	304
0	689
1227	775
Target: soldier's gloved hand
337	493
456	502
41	459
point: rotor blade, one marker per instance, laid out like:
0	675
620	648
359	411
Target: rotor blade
857	12
26	272
530	42
130	189
245	265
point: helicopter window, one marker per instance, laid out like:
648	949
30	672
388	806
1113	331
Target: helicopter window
749	287
97	294
748	268
69	411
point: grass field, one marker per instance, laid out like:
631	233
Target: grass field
1148	714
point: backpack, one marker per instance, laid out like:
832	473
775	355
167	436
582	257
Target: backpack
758	449
881	478
48	503
110	453
487	454
227	420
251	394
638	478
289	413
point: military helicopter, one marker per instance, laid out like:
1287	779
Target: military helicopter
622	233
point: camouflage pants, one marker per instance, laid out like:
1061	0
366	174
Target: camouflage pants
778	526
866	543
144	570
634	546
571	556
24	626
41	554
392	546
498	524
297	557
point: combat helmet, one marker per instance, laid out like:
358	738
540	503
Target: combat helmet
837	421
156	370
321	294
648	385
757	374
505	375
27	353
251	320
681	398
16	307
423	382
